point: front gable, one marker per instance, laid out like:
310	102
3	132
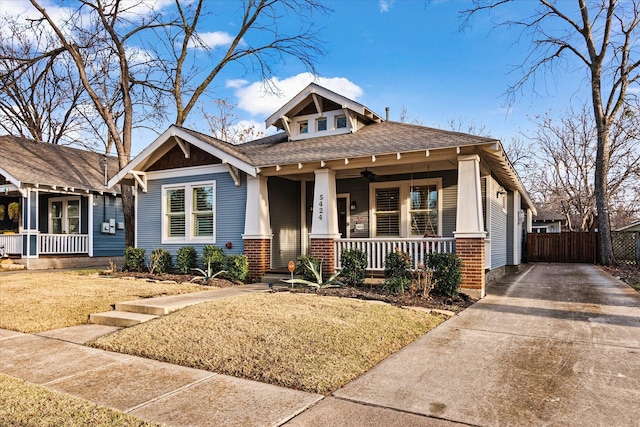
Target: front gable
317	112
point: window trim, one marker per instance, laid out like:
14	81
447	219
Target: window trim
189	213
346	122
326	124
405	203
65	217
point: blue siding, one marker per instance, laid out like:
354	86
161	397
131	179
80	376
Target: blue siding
498	228
230	206
107	207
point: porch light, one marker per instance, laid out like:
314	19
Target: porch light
501	192
354	206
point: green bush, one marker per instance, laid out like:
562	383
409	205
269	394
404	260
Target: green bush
354	264
447	272
186	259
238	267
134	259
160	261
215	256
396	284
397	271
302	267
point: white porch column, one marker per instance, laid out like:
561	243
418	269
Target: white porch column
90	224
469	219
529	220
470	234
324	220
324	223
257	228
516	232
257	223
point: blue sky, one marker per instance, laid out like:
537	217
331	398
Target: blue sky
412	54
392	53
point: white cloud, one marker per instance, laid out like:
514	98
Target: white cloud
216	39
236	83
385	5
254	99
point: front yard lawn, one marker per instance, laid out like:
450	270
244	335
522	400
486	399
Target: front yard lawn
301	341
24	404
39	301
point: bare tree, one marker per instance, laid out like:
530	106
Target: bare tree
562	175
405	117
41	101
224	124
602	36
258	43
96	36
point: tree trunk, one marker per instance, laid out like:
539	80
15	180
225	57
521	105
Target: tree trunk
602	196
128	206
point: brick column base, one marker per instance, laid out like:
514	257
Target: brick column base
471	251
324	249
258	252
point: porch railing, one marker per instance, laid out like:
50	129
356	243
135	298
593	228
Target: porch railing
12	243
52	244
378	248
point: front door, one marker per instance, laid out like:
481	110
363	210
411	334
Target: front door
343	212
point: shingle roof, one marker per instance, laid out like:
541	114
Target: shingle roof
374	139
544	215
31	162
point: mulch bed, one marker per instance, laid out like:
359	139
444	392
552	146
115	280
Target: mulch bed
365	292
377	293
178	278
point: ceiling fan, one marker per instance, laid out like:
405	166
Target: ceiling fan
368	174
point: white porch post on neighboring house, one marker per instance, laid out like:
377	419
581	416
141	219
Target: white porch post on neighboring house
257	227
470	233
90	223
324	221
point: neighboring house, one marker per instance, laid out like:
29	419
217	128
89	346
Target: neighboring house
547	222
64	215
634	226
338	177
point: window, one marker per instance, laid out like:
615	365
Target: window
189	212
321	124
423	210
304	127
341	122
387	211
406	208
64	216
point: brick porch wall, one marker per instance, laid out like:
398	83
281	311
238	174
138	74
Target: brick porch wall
258	252
471	251
324	249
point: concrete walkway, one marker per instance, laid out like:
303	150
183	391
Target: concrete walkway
555	345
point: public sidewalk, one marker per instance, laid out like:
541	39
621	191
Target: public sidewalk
556	345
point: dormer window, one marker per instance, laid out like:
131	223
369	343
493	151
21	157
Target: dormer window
304	127
341	122
321	124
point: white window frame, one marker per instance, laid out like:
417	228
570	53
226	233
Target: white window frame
189	236
405	203
65	217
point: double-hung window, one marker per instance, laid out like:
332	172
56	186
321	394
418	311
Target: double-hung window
406	208
188	212
64	215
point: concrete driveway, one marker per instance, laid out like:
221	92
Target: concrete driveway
558	344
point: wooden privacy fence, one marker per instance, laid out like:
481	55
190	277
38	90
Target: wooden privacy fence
563	247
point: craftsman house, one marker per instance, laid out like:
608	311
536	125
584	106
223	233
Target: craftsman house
339	176
55	210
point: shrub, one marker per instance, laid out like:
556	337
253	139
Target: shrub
354	263
134	259
160	261
303	267
213	257
238	267
397	271
186	259
447	272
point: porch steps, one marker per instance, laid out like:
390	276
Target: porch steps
120	318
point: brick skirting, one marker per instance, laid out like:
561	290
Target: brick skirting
258	252
324	249
471	251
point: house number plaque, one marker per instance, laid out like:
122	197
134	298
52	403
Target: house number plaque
320	206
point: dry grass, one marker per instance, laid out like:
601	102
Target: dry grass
24	404
304	342
39	301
